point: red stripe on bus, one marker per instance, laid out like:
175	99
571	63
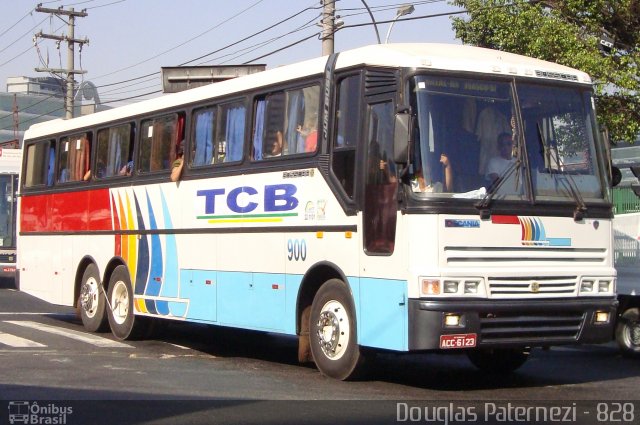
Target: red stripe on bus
505	219
66	212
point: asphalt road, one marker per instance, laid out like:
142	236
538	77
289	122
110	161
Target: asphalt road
201	374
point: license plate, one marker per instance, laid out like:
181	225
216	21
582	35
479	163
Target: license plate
8	269
458	341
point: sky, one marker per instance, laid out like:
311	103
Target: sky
131	39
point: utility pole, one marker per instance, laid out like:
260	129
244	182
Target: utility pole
328	26
71	41
16	117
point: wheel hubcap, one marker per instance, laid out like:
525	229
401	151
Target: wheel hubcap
89	293
634	333
333	330
120	302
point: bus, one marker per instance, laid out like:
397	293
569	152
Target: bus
399	197
10	163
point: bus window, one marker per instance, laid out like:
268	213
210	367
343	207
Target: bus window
301	129
202	146
114	151
268	127
74	157
381	182
39	164
159	139
347	134
286	123
230	134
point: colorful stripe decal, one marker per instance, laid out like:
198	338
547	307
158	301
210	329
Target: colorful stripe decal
154	281
171	276
142	272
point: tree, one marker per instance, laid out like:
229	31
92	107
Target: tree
569	32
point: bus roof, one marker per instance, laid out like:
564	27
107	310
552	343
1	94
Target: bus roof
447	57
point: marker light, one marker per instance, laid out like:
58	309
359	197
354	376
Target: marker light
431	287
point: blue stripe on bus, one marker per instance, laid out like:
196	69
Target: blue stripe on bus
163	307
267	301
170	282
142	269
154	280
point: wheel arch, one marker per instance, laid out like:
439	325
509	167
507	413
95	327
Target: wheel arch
312	280
82	266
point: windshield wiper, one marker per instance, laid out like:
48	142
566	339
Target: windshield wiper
581	207
485	202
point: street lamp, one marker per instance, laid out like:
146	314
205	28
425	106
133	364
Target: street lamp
403	10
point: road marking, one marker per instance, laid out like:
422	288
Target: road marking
16	341
78	336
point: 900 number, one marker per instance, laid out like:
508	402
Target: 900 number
297	249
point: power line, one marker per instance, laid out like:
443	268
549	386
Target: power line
183	43
213	52
19	20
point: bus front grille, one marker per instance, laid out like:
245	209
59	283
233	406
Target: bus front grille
513	327
532	286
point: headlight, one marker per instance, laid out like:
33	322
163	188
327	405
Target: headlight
586	286
450	286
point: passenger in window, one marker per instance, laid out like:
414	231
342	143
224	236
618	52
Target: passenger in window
127	169
276	146
178	164
310	137
87	176
498	165
419	184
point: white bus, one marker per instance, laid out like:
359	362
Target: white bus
10	163
406	197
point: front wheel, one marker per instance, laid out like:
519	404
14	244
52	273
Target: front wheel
124	324
92	301
628	332
332	332
499	360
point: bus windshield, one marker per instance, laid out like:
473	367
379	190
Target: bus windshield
7	210
468	141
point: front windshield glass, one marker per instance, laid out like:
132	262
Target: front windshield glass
559	127
8	183
467	141
464	139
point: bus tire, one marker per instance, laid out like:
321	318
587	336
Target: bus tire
500	361
122	320
91	301
332	332
628	332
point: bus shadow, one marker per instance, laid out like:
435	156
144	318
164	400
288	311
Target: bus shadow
433	371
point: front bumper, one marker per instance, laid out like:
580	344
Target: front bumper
511	323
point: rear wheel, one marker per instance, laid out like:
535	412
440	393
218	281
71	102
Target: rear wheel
124	324
499	360
92	301
332	332
628	332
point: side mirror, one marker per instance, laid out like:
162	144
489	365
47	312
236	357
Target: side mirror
616	176
402	138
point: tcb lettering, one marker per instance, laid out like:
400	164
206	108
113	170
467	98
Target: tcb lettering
243	199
